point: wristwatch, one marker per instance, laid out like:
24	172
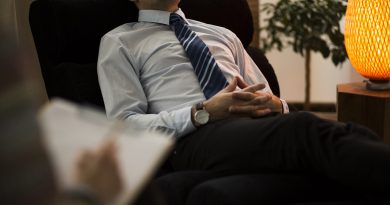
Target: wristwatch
201	116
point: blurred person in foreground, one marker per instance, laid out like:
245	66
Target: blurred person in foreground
26	174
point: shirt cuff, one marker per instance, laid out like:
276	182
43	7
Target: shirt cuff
285	108
186	126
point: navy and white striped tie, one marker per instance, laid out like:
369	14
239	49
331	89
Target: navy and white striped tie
206	68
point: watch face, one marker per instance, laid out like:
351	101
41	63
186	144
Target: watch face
201	117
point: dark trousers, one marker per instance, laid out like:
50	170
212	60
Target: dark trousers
297	142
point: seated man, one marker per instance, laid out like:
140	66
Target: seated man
171	73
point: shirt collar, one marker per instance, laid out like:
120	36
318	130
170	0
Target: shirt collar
157	16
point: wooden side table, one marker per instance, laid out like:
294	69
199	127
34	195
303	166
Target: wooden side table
370	108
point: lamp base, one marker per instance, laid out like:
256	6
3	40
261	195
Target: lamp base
378	85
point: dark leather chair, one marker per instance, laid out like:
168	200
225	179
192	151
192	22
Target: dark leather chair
67	35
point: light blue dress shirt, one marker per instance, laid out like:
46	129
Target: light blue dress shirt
147	79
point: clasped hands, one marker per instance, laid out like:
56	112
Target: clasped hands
250	101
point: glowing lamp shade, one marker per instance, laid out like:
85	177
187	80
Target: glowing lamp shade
367	38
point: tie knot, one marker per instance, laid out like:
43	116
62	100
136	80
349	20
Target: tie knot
176	18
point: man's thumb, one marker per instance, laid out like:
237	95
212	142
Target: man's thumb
232	85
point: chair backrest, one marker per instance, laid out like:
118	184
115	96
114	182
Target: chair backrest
68	30
67	34
232	14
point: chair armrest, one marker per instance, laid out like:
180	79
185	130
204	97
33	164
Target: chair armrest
76	82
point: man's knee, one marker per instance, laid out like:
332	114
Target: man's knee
304	129
302	119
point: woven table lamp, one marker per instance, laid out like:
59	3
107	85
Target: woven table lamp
367	40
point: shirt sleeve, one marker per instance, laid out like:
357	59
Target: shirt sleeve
249	70
123	94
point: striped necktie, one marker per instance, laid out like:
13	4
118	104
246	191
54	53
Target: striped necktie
209	74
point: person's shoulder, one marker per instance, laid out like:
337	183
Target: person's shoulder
219	29
120	30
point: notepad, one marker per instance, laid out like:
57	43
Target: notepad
68	129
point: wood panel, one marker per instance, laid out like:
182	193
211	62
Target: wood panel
254	6
370	108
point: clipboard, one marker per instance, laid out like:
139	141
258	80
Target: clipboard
69	129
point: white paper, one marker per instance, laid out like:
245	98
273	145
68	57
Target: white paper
69	129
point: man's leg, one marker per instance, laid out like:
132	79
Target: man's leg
297	142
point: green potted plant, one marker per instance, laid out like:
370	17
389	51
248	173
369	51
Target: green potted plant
308	26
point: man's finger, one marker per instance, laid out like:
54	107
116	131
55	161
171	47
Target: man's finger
232	86
261	112
241	83
254	88
253	98
262	99
246	109
244	96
